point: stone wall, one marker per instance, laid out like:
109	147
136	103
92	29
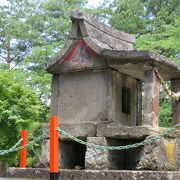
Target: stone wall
80	97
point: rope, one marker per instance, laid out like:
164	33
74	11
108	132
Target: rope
17	146
3	152
149	140
112	148
166	87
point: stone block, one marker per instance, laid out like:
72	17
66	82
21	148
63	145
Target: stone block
45	155
162	155
94	158
83	97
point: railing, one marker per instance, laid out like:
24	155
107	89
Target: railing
23	145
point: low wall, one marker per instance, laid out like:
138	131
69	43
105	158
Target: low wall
41	173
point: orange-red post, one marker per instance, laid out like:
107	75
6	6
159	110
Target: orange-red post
54	148
23	152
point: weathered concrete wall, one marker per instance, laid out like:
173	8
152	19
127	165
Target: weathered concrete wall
119	81
82	97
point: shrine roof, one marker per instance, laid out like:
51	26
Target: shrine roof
113	47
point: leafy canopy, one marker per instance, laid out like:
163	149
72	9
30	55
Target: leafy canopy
19	109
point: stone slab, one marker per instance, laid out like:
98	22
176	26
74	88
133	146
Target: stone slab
34	173
115	130
40	173
80	130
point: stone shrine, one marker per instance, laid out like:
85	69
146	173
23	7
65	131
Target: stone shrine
107	93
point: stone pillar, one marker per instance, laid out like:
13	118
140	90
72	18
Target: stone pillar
55	96
175	87
97	159
151	98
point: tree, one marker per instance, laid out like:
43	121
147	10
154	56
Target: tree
165	40
17	35
19	109
129	15
154	22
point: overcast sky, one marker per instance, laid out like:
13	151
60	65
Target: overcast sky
93	3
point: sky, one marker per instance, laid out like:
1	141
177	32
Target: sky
93	3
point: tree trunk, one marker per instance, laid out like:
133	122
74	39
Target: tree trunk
2	168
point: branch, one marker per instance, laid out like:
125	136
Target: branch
14	57
19	61
3	57
173	8
2	39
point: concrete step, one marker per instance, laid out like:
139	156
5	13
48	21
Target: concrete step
42	173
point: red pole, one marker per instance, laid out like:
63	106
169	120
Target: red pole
54	148
23	152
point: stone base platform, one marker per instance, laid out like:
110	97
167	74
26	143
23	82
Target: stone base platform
42	173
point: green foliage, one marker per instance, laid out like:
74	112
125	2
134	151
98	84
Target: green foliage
129	15
31	32
155	23
165	40
165	111
19	109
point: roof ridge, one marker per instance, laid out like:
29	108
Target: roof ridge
79	15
